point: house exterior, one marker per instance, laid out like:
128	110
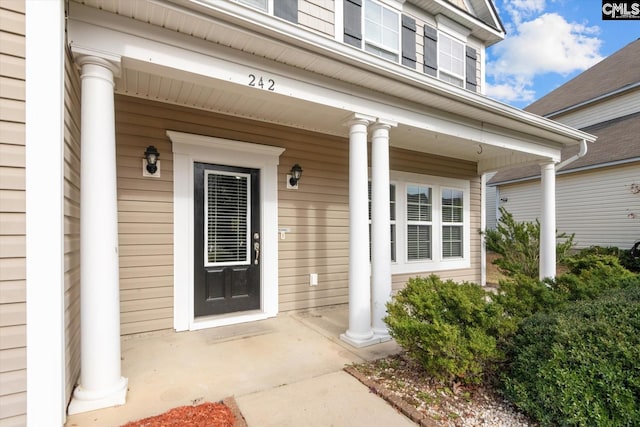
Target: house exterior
598	195
379	103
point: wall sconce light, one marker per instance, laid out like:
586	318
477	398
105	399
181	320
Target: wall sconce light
151	162
294	176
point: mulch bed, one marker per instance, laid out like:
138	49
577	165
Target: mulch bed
208	414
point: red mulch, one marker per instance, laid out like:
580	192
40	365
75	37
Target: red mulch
204	415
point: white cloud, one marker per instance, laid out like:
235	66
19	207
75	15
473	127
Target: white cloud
538	44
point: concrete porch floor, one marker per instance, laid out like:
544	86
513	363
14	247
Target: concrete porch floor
285	371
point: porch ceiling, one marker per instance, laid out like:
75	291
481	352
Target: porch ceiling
432	116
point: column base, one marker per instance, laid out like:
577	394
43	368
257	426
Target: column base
359	341
382	334
89	400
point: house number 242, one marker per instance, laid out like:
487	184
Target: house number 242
254	81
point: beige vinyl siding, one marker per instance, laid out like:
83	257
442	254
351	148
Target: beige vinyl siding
317	214
145	221
71	225
598	205
317	15
13	359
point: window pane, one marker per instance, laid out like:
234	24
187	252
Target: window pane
452	208
226	218
260	4
381	30
451	241
450	56
393	242
418	203
392	201
418	242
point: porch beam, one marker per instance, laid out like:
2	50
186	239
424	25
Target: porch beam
101	384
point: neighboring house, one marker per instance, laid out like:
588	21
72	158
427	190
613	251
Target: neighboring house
232	95
598	195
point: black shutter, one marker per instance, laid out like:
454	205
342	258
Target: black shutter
472	81
430	51
286	9
353	22
408	41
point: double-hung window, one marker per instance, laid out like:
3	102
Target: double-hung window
452	223
430	223
392	216
285	9
381	30
419	222
451	59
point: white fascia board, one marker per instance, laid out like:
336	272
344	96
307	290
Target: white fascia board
333	49
203	64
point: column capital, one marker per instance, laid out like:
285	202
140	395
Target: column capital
383	124
83	56
359	119
547	164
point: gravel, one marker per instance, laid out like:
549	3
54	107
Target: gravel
403	383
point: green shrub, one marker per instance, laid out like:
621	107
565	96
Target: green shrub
450	328
590	274
518	244
624	256
579	366
521	296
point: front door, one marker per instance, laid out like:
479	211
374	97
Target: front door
227	239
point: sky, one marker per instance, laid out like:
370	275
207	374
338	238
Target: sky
548	43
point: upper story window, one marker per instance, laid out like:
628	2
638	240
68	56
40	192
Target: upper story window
259	4
381	30
285	9
451	59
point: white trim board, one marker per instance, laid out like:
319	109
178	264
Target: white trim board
190	148
44	176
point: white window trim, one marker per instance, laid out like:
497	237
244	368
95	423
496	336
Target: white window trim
269	6
437	263
450	73
395	7
191	148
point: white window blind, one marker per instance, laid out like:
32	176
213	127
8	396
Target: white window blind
419	222
392	207
227	218
381	30
451	59
260	4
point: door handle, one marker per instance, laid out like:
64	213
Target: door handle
256	248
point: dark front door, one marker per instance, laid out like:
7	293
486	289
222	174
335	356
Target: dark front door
227	239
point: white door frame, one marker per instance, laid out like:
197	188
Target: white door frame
191	148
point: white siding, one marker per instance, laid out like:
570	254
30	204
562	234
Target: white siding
601	206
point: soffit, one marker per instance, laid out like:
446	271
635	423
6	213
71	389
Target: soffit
382	82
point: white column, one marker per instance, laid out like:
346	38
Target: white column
359	333
101	383
380	228
548	222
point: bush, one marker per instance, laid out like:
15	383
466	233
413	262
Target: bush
624	256
578	366
450	328
590	274
518	244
